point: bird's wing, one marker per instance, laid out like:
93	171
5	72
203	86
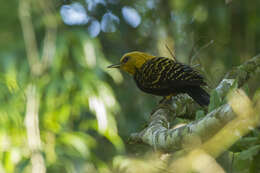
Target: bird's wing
163	74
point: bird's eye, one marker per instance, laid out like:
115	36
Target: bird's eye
125	59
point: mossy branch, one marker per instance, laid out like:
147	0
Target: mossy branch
159	135
243	72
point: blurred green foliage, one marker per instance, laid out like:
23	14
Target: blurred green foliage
86	111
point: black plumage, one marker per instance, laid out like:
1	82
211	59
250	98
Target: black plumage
163	76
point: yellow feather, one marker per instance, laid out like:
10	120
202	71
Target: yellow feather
135	61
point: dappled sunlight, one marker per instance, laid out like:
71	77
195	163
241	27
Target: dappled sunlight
131	16
33	131
76	140
90	55
109	22
106	124
4	141
149	163
38	163
50	143
63	110
93	3
108	98
200	14
115	74
198	161
74	14
247	119
94	28
31	120
241	104
11	81
98	107
205	163
201	157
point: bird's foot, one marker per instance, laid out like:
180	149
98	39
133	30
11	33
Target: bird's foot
166	100
164	103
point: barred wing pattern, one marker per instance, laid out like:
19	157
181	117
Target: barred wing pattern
163	76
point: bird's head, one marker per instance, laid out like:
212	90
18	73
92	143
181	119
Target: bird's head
132	61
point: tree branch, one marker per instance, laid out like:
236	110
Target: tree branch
37	67
160	136
243	72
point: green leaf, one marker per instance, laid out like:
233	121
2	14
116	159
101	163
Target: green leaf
215	101
256	95
249	153
200	114
244	143
234	85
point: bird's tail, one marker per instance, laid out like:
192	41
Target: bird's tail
199	95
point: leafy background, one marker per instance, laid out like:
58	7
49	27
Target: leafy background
86	112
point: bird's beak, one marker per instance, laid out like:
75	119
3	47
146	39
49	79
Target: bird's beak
114	65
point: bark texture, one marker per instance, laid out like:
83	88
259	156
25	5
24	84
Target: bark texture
159	135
